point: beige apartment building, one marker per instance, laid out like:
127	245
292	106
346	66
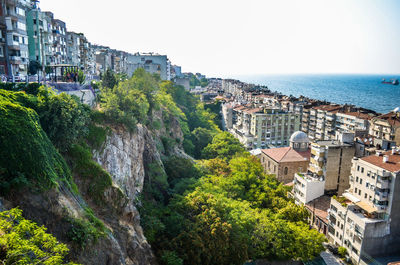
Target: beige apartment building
366	219
331	159
264	127
319	121
386	126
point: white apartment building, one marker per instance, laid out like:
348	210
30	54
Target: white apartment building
366	219
307	187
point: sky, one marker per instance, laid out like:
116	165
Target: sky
226	38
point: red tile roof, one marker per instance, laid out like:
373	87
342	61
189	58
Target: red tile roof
392	165
320	206
286	154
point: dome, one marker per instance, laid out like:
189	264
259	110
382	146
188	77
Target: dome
299	137
396	109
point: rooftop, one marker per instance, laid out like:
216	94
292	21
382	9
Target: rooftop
393	164
320	206
287	154
331	143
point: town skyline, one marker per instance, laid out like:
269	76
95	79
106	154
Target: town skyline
236	38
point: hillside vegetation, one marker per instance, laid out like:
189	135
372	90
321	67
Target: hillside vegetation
217	208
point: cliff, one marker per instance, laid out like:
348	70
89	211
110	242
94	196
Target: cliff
125	156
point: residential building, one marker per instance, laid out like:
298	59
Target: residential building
331	159
318	211
366	219
307	187
152	63
17	38
73	49
3	44
39	30
284	162
356	122
264	126
59	40
386	126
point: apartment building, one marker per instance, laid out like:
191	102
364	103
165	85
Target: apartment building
17	38
356	122
152	63
366	219
264	126
39	29
331	159
73	51
58	39
386	126
284	162
3	44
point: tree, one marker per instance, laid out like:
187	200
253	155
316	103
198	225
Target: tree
109	80
24	242
63	118
34	67
81	77
224	146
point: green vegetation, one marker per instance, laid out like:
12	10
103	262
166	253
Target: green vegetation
31	125
342	252
28	157
342	200
96	178
223	210
23	242
84	232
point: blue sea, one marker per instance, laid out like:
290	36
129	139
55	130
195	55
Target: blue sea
361	90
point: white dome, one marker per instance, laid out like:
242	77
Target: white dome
396	109
299	137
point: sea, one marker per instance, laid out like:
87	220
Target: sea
365	91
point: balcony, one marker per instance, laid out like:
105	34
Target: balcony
382	184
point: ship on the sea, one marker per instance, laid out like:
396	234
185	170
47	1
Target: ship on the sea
391	82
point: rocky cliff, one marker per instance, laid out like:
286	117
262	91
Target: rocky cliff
125	156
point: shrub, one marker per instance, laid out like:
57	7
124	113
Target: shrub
23	242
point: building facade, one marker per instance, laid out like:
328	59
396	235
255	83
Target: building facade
332	161
366	219
152	63
285	162
17	37
386	126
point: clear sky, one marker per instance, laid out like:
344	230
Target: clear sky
231	37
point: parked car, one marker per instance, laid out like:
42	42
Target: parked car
333	249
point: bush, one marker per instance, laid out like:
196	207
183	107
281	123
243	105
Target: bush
83	165
342	251
171	258
63	118
27	157
23	242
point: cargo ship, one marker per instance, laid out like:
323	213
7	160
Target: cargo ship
391	82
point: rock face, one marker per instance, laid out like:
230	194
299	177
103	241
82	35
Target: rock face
124	155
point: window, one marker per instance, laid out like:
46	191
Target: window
2	70
285	171
365	195
358	168
356	179
359	192
15	38
362	170
1	52
360	181
21	26
356	190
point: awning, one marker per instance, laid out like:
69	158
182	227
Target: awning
351	197
366	207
